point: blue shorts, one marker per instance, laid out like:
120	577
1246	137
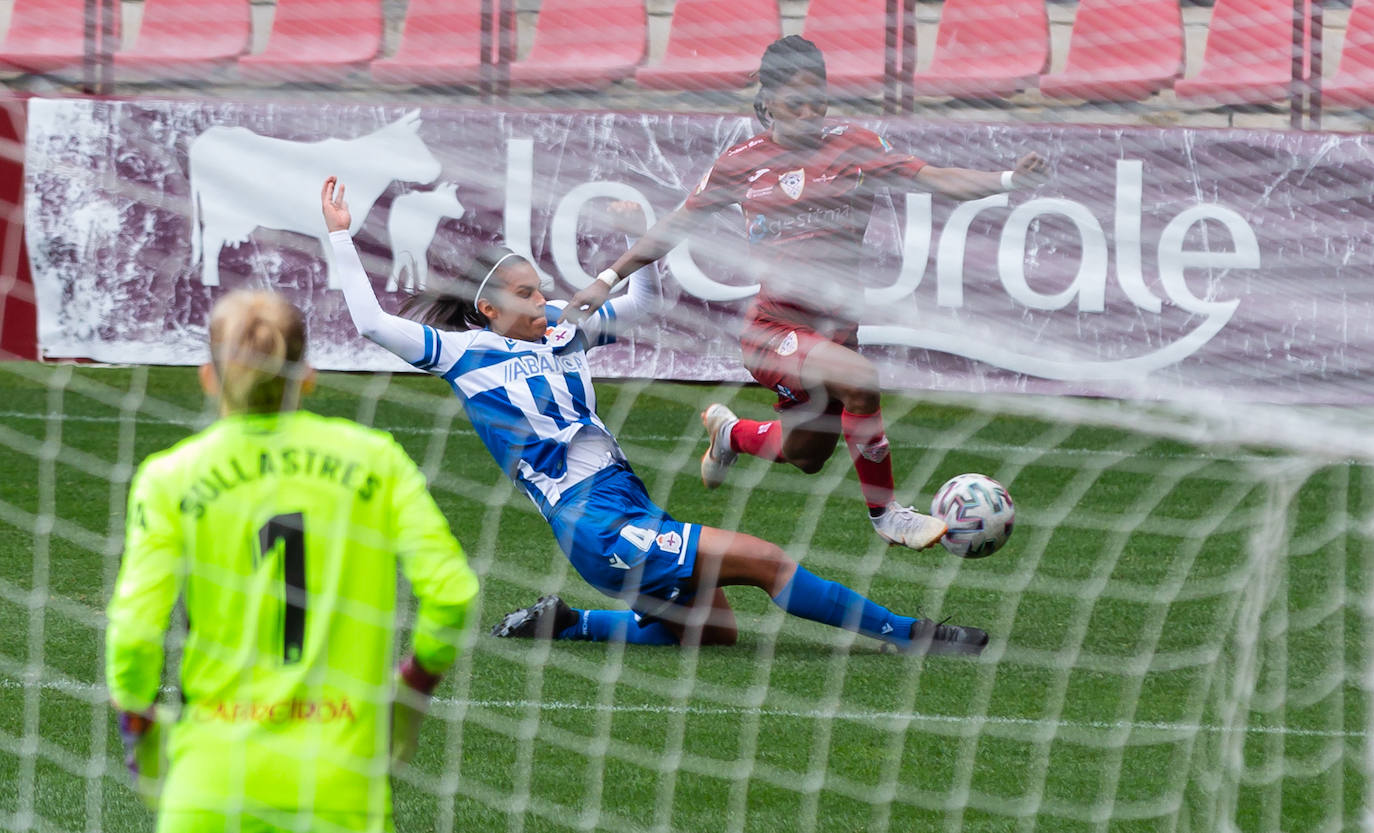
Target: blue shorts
623	544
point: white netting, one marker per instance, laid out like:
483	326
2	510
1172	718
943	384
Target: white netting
1178	628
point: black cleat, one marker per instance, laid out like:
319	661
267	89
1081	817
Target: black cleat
544	619
931	637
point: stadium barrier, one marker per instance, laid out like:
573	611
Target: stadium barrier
1158	262
18	317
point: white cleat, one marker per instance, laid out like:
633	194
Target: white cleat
719	456
904	526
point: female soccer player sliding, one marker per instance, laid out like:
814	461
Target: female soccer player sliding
528	391
282	531
806	187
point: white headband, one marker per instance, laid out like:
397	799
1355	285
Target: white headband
483	285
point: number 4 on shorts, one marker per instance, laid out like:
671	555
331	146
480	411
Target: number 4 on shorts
642	539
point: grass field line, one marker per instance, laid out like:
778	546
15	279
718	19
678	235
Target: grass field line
627	436
94	693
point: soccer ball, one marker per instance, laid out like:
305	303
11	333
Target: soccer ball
978	512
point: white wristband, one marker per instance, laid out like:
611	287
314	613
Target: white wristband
1007	183
609	277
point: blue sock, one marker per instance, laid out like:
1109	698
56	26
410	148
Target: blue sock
812	597
617	626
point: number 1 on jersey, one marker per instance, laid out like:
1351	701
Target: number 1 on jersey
286	534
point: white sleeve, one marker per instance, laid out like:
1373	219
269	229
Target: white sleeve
643	297
401	336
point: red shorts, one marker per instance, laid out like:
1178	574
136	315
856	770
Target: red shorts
775	348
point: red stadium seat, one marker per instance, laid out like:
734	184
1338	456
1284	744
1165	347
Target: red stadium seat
987	49
1249	55
1120	50
851	34
583	44
440	44
178	38
319	41
714	45
1352	85
47	36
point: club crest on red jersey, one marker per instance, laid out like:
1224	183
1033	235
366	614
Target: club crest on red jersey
793	182
788	345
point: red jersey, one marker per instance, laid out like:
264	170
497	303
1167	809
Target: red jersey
806	212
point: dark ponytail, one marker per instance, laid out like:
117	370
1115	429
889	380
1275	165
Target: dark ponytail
783	59
448	301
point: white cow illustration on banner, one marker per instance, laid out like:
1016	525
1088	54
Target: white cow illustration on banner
241	181
411	225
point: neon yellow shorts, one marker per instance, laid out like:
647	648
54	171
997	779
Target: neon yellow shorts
272	821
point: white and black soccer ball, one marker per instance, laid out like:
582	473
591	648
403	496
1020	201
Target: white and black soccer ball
979	513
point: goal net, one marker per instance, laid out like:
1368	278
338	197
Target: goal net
1178	625
1162	352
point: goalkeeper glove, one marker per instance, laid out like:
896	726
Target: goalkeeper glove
414	685
145	751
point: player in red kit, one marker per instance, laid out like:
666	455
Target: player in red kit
806	187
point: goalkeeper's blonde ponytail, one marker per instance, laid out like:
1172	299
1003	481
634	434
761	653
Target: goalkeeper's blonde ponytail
257	343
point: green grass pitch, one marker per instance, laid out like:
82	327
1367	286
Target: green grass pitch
1179	635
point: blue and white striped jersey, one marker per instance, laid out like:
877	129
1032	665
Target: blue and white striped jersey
527	401
532	403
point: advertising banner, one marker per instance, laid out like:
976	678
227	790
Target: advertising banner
1156	262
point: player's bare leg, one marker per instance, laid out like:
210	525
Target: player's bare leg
707	621
810	441
800	437
727	558
809	434
838	373
842	400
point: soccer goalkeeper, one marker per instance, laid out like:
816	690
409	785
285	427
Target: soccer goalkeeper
282	531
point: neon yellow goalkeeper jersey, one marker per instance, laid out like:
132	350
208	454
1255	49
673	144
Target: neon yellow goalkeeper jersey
283	533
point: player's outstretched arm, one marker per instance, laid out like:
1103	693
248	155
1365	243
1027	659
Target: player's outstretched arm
1031	171
401	336
662	238
643	299
644	295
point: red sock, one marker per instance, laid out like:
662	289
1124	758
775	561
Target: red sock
867	442
761	439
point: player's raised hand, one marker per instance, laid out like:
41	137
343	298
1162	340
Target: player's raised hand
332	204
1032	171
587	301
